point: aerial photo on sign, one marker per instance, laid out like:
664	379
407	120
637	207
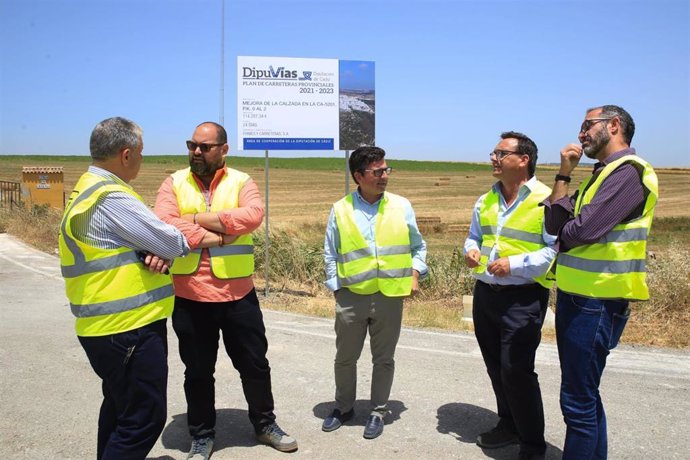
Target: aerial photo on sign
357	104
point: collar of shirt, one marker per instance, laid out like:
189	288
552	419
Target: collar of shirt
613	157
525	189
363	205
217	176
108	175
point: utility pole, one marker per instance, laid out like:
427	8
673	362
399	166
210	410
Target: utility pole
221	115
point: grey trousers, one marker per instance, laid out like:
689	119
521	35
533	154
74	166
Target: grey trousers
355	315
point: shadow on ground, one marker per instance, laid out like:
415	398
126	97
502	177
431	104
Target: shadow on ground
233	429
465	422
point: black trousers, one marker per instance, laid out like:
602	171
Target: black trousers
198	326
507	324
134	368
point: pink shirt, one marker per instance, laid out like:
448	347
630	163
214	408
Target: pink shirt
203	286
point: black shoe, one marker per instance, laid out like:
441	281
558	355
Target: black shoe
499	436
336	419
374	427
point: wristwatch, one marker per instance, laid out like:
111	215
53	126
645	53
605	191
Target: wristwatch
563	178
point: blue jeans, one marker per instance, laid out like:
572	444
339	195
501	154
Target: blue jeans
586	331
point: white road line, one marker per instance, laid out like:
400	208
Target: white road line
36	270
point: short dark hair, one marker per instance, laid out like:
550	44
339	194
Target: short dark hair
113	135
627	123
363	157
222	137
526	146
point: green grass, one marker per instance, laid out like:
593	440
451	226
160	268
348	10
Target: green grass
664	229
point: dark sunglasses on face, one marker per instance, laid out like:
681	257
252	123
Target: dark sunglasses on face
192	146
587	124
379	172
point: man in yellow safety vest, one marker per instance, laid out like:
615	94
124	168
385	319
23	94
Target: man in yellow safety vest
602	232
374	257
510	253
217	208
115	254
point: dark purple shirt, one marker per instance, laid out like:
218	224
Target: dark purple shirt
620	196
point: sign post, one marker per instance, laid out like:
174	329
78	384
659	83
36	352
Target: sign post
267	240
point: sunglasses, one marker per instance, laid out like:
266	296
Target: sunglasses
192	146
587	124
379	172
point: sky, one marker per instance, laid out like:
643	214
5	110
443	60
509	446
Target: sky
450	75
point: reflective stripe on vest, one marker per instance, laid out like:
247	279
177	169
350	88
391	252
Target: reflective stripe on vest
109	290
234	260
388	267
521	232
613	267
116	306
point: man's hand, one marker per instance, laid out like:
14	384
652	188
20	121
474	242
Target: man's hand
570	157
499	267
415	283
154	263
472	258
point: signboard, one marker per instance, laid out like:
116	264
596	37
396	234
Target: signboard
304	104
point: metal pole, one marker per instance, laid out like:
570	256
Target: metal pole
266	238
221	115
347	172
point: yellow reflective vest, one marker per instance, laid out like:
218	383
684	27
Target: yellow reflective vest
521	232
234	260
109	290
614	266
387	267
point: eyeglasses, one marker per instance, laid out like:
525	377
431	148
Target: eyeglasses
192	146
501	154
379	172
587	124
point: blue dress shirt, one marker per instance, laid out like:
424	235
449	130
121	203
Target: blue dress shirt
365	218
523	267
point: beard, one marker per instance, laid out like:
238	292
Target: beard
596	144
202	168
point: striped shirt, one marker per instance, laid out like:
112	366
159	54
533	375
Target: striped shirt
120	220
620	198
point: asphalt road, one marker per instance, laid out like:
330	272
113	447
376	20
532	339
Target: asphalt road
441	399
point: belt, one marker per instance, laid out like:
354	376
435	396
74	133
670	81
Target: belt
509	287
